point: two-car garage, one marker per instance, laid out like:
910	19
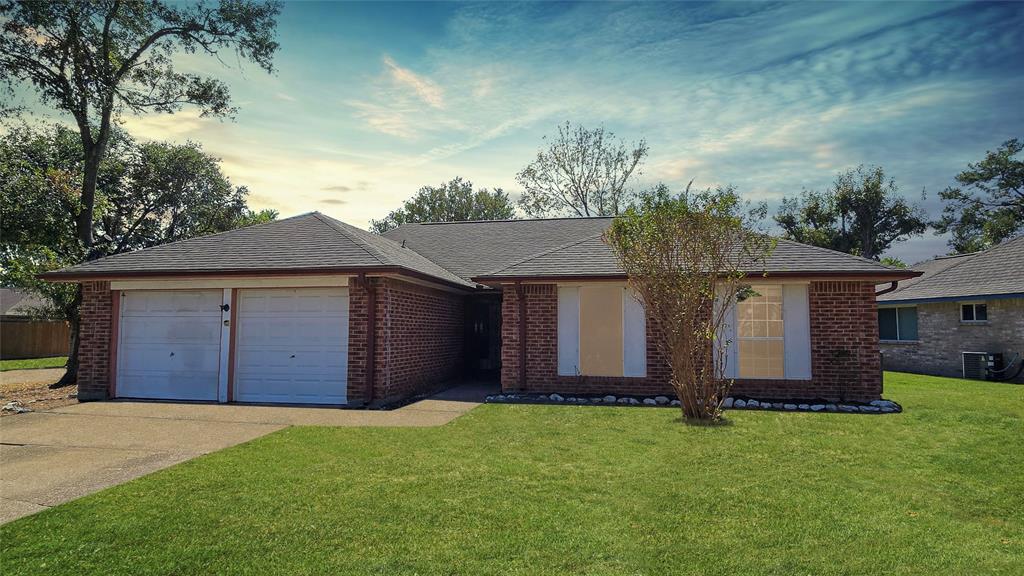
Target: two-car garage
288	345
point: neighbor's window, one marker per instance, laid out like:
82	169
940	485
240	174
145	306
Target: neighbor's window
761	335
974	312
897	323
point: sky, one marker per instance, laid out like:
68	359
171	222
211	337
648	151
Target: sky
371	101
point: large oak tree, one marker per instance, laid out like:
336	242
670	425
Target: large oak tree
452	201
862	213
987	206
148	194
96	60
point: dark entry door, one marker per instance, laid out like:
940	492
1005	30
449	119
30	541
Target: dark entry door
483	337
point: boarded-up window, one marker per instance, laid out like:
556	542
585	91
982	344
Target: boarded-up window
602	331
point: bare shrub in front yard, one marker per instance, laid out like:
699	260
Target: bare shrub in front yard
686	257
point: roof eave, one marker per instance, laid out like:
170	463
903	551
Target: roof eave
880	276
963	297
82	276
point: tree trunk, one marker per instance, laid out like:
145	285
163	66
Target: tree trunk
83	222
74	325
83	225
70	377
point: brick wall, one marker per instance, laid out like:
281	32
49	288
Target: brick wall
942	337
845	362
419	338
357	340
844	348
94	346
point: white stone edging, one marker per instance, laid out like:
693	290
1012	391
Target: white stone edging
873	407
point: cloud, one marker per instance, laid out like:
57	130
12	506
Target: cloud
811	90
425	89
285	97
359	186
385	119
178	126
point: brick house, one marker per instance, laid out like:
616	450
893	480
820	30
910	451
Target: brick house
961	310
311	310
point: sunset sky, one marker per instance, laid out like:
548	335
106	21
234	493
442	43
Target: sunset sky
372	101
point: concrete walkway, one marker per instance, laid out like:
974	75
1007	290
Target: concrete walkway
47	458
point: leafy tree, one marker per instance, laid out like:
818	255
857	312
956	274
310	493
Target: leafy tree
686	257
862	213
148	194
988	205
452	201
96	60
580	172
894	262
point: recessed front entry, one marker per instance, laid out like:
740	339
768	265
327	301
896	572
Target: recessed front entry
292	346
169	344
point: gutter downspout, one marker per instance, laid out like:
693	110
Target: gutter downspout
371	336
521	302
893	286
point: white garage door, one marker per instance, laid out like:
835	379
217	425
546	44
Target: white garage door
169	344
292	345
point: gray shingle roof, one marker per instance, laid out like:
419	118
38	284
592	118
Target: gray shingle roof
996	271
590	256
454	252
312	242
473	248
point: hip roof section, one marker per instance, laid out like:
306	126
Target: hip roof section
456	253
998	271
309	242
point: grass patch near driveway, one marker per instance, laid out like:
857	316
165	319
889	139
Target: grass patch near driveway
33	363
521	489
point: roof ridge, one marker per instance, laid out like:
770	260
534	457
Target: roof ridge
374	251
542	253
948	256
365	246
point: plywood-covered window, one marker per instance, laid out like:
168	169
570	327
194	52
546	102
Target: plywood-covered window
761	334
601	331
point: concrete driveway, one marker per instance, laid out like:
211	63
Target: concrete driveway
47	458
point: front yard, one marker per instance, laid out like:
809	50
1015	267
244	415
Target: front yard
577	490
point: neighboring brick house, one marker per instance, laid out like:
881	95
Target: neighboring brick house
961	309
311	310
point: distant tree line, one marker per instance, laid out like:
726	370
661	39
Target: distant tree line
581	172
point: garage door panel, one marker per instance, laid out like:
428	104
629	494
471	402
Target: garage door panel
169	344
292	346
194	358
172	302
171	330
287	390
311	331
309	362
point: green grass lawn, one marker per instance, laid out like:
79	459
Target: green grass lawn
531	490
31	363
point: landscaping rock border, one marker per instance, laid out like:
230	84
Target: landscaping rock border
731	403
